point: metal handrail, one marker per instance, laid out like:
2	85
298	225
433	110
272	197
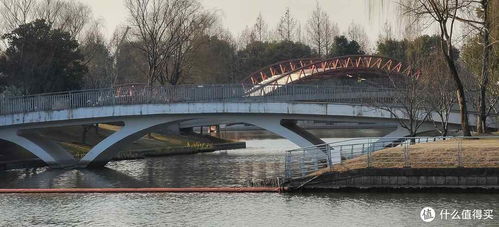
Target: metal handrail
187	93
303	161
140	94
332	144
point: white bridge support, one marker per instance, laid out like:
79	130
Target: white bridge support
48	151
284	128
133	129
395	137
138	126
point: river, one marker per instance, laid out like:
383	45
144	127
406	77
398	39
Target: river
262	159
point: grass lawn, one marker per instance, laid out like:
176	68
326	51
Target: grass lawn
475	153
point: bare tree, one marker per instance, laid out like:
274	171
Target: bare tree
260	29
163	31
299	34
194	26
320	31
443	13
407	103
477	14
73	18
286	28
356	32
331	30
15	13
387	33
50	10
69	16
154	28
437	80
246	37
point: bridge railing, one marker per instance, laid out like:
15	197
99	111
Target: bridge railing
134	94
403	152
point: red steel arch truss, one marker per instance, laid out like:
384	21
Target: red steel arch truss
309	67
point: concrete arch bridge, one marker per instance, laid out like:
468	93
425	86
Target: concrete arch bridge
150	108
274	102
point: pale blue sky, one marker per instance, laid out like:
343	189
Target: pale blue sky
236	14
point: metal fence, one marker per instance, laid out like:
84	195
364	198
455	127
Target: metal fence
136	94
399	152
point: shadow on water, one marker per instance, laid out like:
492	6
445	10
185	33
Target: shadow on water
201	170
60	178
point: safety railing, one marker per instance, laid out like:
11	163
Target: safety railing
135	94
398	152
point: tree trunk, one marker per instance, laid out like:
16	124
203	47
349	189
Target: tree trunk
481	126
461	99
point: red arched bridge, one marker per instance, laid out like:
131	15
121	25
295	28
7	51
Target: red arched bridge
291	71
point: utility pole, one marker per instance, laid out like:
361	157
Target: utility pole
115	56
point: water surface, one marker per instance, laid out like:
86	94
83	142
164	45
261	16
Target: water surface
262	159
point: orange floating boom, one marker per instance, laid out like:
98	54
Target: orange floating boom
142	190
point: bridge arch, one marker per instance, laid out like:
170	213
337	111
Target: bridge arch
292	71
135	128
48	151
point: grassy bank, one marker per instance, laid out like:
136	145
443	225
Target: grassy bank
468	153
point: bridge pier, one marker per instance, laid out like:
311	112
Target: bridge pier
276	124
133	129
48	151
289	130
395	137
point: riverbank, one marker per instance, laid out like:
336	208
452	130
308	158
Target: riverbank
450	164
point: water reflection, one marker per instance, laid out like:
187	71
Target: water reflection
262	159
59	178
222	168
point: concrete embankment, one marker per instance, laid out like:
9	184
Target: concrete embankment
401	178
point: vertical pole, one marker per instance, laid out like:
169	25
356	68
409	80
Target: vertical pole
369	159
302	168
70	97
315	159
459	152
341	150
330	156
406	156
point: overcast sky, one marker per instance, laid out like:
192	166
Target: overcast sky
237	14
